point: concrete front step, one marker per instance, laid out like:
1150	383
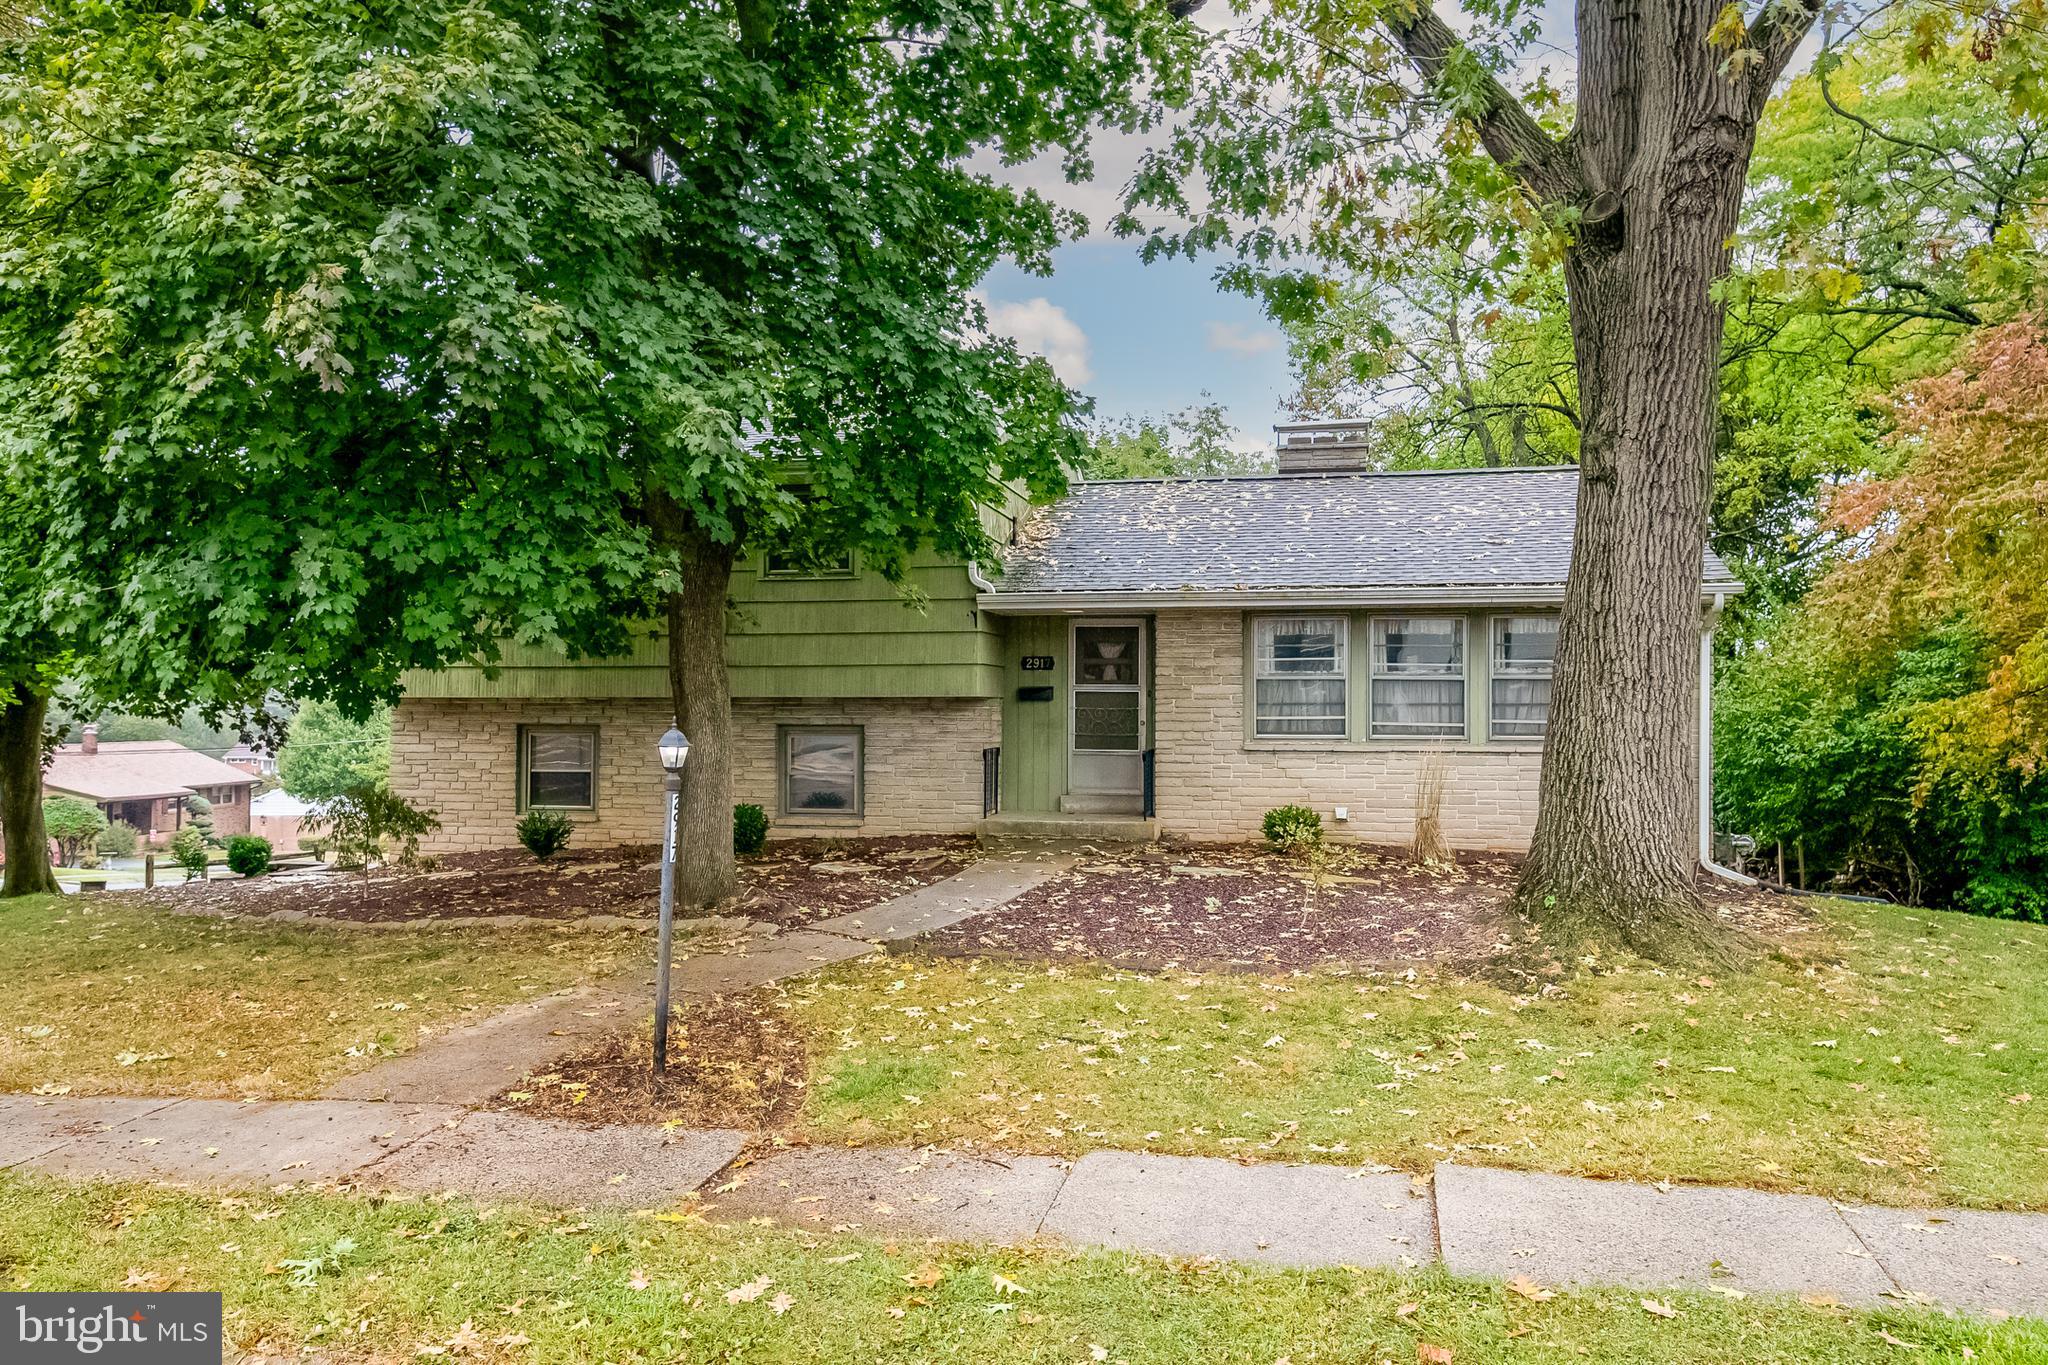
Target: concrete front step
1100	829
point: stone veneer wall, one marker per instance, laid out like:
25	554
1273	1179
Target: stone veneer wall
921	760
1212	784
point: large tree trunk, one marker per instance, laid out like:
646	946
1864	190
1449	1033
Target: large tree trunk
702	693
21	796
1665	141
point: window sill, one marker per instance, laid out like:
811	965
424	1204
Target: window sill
822	820
1392	746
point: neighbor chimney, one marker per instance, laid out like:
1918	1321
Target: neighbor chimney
89	742
1323	447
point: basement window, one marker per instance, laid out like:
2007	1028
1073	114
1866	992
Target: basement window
821	771
558	767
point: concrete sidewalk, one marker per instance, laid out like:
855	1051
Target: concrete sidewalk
1478	1222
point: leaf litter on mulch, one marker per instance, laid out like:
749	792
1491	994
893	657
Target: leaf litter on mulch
791	882
733	1062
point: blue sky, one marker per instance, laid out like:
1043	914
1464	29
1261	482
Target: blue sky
1146	340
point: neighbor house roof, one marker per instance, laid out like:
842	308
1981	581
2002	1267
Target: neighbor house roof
1483	534
138	770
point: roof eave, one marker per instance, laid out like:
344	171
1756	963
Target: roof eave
1418	595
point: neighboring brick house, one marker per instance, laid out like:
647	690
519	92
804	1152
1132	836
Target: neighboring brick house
1157	656
145	783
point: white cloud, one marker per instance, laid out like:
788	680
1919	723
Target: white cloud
1236	338
1042	327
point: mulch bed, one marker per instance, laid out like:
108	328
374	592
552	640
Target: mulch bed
791	882
733	1062
1240	907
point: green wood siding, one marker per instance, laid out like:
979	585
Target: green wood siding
1035	732
787	637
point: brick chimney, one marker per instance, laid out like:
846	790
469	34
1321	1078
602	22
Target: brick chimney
1323	447
89	740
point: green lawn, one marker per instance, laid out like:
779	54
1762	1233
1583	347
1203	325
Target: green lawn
1901	1059
101	998
386	1279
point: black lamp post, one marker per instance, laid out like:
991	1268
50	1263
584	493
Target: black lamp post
675	750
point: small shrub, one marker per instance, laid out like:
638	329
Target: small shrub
1294	829
545	832
370	824
249	854
188	850
119	840
315	847
749	829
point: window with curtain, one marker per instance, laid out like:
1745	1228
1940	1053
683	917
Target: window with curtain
560	767
1418	677
821	772
1524	648
1298	672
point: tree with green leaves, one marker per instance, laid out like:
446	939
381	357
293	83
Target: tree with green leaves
1318	132
1895	723
377	337
325	753
76	825
1196	442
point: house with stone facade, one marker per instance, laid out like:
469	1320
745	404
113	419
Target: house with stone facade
1152	656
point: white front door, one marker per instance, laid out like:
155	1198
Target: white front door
1108	722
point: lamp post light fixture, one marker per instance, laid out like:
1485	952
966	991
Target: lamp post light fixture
675	751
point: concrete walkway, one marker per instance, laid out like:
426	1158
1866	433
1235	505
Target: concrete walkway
1479	1222
470	1063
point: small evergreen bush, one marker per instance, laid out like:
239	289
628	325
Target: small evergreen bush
249	854
749	829
545	832
200	811
1293	829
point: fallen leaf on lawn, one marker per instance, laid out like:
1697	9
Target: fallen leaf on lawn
748	1292
1005	1285
781	1303
1530	1290
1657	1308
1097	1352
925	1276
1820	1300
1426	1354
1725	1292
1407	1310
639	1279
51	1090
466	1338
1891	1340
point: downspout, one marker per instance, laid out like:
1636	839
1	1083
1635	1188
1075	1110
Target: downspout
978	578
1707	749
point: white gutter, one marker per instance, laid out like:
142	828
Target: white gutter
1421	595
1707	750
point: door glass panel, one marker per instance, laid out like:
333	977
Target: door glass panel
1106	720
1106	654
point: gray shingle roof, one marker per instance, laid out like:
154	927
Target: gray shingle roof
1449	528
